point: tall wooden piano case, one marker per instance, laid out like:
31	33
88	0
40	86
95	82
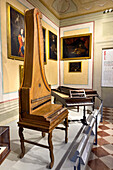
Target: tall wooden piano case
35	109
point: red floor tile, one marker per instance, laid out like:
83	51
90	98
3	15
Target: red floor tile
97	164
106	109
100	152
102	134
104	122
106	114
106	118
103	127
102	141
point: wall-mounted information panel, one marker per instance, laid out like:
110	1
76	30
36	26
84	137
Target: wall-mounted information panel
107	67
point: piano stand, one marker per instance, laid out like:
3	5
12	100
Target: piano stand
50	150
22	142
23	125
84	121
84	118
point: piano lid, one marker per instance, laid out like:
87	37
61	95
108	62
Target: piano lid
34	76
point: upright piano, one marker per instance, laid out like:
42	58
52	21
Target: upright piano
35	109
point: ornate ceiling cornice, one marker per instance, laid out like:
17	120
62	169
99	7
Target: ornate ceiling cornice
70	8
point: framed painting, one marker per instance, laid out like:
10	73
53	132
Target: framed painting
75	66
15	32
76	47
44	38
52	46
21	72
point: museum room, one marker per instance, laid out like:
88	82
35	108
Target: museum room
56	84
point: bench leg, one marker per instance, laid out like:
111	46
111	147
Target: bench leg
66	129
22	142
51	149
77	108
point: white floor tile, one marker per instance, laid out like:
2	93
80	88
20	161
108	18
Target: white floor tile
108	160
109	139
108	148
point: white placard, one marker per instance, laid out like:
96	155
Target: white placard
107	67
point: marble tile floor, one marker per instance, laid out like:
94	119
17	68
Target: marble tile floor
101	157
36	157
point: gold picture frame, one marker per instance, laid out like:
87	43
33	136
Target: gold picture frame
76	47
15	33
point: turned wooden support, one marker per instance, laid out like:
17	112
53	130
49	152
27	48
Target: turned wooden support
43	134
77	108
51	149
22	142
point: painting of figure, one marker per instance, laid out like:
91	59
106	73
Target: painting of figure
77	47
16	33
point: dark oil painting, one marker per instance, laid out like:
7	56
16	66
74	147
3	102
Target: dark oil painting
75	67
76	47
52	46
44	34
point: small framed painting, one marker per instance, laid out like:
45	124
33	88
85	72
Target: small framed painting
75	66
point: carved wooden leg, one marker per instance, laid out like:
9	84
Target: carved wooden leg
43	134
51	149
22	142
66	129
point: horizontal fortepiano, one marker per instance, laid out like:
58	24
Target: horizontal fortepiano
35	109
74	97
62	94
66	90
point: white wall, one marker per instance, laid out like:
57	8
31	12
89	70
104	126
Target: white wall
4	96
77	29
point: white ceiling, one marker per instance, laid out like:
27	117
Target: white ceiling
69	8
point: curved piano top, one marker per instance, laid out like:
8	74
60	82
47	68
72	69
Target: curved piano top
35	93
